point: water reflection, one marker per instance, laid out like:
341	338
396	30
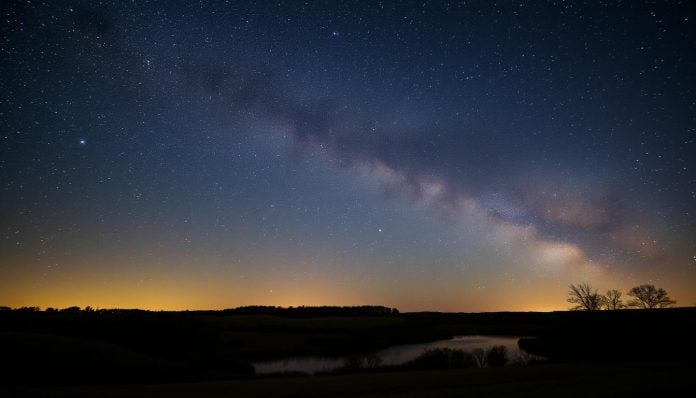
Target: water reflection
395	355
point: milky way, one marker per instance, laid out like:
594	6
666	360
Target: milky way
447	156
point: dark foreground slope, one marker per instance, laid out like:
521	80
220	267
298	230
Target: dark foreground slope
154	352
558	380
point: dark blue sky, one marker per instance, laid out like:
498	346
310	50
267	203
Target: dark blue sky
423	155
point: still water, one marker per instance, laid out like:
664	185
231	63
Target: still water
394	355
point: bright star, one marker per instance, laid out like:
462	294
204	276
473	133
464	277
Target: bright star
83	142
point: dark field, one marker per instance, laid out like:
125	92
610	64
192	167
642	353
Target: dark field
568	380
139	353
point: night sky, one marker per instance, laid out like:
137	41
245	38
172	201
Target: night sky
452	156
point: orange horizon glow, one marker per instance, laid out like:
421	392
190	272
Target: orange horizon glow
164	299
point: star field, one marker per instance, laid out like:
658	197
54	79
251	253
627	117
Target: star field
464	156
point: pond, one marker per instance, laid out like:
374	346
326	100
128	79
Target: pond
394	355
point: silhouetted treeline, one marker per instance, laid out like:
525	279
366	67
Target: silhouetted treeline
300	311
314	311
586	298
76	310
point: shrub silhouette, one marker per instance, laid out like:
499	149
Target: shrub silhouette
373	361
493	357
442	358
497	356
352	363
359	363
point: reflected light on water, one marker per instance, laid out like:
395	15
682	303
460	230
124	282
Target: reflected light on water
395	355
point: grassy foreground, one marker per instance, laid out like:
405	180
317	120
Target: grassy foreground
546	380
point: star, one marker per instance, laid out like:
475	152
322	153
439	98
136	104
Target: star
83	142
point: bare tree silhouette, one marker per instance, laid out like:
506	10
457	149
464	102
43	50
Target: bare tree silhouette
584	297
648	296
612	300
